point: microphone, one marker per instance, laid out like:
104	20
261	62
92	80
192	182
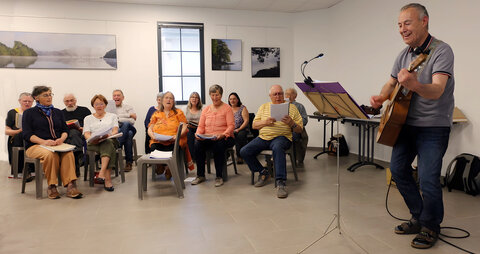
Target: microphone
308	80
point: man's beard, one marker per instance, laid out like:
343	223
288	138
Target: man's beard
70	109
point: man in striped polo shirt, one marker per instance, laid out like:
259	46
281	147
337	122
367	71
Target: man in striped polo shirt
274	135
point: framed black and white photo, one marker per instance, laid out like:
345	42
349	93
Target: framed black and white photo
265	62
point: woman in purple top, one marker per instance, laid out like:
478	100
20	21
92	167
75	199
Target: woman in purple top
240	113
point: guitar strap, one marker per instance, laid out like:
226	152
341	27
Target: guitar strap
431	48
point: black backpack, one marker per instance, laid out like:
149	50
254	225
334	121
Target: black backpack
332	150
463	174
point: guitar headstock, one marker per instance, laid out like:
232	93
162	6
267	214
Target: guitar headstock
418	61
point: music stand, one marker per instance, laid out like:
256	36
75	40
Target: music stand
331	100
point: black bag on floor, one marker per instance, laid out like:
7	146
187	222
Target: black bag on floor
463	174
332	150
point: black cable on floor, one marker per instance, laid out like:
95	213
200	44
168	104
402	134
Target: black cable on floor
467	234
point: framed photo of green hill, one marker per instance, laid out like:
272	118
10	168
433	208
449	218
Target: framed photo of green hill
226	55
32	50
265	62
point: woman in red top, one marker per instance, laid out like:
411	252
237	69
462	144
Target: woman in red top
215	133
165	121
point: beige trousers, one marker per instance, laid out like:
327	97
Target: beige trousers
54	163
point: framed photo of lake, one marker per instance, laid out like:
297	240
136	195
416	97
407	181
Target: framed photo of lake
265	62
226	55
31	50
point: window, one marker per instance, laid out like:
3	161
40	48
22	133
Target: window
181	60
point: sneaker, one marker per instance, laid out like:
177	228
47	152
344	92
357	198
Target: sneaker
281	189
73	192
52	192
425	239
409	227
128	167
198	180
218	182
262	178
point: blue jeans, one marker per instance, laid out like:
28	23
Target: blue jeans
218	148
278	146
126	140
429	144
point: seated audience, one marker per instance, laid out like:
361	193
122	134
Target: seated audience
106	147
126	120
45	125
217	122
274	135
240	114
13	128
150	112
165	121
193	112
75	114
300	139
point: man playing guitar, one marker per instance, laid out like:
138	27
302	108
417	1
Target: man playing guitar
427	127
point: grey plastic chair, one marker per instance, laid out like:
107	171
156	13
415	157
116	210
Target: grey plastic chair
230	151
270	166
91	165
174	163
38	176
15	155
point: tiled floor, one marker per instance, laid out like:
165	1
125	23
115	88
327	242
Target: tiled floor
235	218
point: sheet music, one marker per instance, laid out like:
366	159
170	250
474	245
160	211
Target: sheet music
278	111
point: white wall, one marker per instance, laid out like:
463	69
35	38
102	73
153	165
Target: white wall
136	35
360	40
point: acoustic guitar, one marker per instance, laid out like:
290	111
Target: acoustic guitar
395	113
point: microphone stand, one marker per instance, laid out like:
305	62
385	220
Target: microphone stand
335	216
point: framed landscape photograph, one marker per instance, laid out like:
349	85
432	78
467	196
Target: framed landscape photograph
33	50
265	62
226	55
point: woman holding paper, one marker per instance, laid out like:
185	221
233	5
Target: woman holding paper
150	112
163	129
93	128
240	114
45	125
214	133
193	113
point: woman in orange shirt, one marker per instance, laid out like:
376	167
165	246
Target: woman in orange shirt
165	121
214	133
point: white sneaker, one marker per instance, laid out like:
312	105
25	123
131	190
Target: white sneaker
218	182
198	180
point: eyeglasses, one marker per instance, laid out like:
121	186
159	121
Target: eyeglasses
277	94
98	104
46	95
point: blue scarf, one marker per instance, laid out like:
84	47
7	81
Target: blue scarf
46	109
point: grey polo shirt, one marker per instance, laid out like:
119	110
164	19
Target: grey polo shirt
425	112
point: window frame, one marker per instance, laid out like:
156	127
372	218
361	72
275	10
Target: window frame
181	25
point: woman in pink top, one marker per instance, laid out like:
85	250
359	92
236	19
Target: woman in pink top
214	133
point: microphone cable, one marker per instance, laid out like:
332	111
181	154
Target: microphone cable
467	234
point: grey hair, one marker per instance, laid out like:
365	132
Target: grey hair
174	109
293	90
118	90
69	94
24	94
215	88
160	95
422	11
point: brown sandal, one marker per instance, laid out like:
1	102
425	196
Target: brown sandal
409	227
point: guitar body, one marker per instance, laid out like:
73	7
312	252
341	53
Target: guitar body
394	117
396	112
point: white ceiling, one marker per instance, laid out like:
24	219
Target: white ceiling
256	5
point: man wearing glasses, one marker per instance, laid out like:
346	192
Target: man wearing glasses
275	135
